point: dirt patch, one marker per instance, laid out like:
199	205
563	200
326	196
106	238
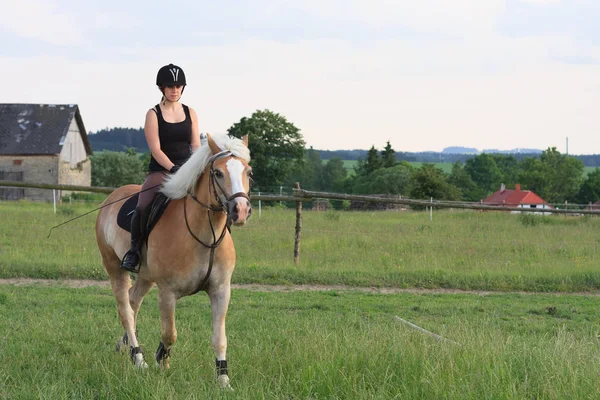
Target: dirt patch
83	283
71	283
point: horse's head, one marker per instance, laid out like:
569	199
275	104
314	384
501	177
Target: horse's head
230	180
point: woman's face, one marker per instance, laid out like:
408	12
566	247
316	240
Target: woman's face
173	93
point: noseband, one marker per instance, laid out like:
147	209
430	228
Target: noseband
223	207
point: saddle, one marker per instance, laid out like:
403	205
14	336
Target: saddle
155	209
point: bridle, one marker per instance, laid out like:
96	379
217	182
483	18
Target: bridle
222	207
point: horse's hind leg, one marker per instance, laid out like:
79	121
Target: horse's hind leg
120	283
219	299
166	305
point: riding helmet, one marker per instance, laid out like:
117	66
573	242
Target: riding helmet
170	75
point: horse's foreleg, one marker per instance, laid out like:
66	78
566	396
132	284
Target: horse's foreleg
120	285
219	299
166	304
140	288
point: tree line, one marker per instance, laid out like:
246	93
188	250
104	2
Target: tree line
279	158
122	139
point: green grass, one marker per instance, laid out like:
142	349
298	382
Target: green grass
58	343
445	166
588	170
458	249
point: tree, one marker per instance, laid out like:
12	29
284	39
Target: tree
508	165
460	178
429	181
309	172
590	189
276	146
554	177
485	173
114	169
388	158
393	180
371	163
334	175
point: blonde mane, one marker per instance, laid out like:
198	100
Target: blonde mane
183	182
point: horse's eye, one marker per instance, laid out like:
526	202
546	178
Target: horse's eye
218	173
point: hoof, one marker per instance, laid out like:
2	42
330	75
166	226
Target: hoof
162	356
223	381
122	345
137	358
139	362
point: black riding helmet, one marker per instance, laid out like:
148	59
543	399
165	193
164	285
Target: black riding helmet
170	75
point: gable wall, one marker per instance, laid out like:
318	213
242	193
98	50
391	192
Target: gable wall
36	169
73	150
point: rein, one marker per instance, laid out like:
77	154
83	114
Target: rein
211	208
105	205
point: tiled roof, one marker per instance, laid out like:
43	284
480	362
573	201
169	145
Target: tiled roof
27	129
513	197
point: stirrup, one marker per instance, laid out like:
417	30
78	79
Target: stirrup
128	261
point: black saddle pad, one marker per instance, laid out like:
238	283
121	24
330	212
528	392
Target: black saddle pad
156	209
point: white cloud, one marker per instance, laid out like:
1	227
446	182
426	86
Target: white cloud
465	85
541	1
40	20
426	15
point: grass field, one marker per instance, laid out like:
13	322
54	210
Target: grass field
457	249
444	166
58	343
350	164
587	170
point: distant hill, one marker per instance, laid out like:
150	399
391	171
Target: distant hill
472	150
460	150
513	151
121	139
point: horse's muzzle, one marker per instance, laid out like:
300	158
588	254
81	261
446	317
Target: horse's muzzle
239	210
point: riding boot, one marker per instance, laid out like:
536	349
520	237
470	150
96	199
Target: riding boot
132	258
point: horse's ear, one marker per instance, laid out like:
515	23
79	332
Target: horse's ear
245	140
213	146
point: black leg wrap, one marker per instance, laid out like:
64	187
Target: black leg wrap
133	352
162	353
221	367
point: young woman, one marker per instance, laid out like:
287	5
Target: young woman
171	130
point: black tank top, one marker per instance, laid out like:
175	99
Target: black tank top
175	139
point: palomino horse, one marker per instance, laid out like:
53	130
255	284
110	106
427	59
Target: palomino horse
188	250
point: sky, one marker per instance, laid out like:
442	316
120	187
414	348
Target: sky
350	74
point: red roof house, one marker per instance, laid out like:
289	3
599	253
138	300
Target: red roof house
516	198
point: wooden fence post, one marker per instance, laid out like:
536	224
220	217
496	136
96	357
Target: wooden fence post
298	228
